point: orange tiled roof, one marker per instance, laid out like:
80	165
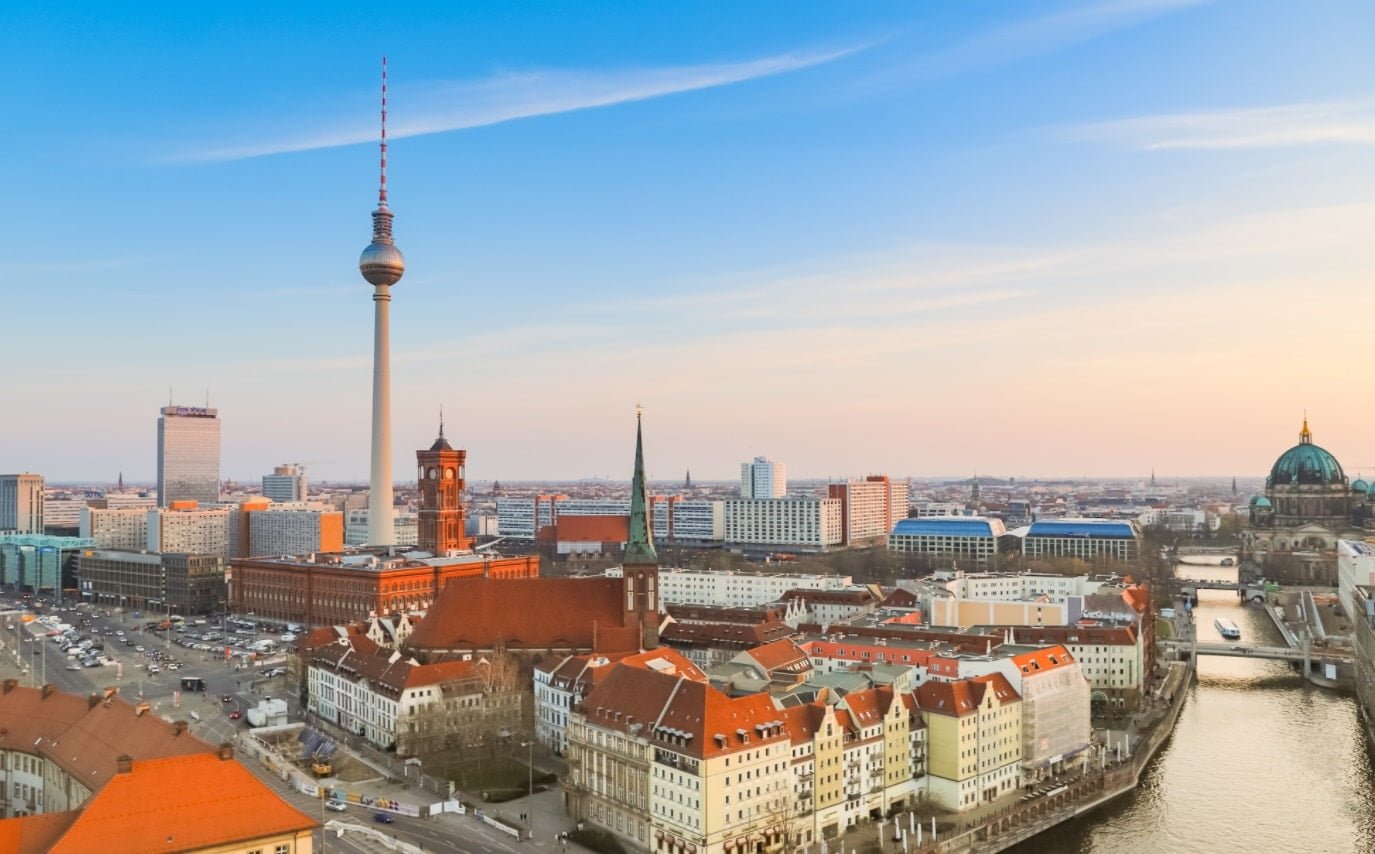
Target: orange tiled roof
779	654
665	660
85	735
181	803
535	613
593	529
954	699
1002	689
1041	660
34	833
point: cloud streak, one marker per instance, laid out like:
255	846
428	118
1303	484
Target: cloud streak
1285	126
450	106
1032	37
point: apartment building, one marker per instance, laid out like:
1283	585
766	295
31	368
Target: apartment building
800	524
730	589
974	740
120	528
869	508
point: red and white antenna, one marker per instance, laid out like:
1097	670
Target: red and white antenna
382	189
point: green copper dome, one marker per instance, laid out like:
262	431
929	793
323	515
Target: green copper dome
1306	464
1359	485
1260	501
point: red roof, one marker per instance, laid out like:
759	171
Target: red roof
779	655
954	699
534	613
182	803
593	529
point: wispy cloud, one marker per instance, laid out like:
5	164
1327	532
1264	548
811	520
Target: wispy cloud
449	106
1033	37
1289	125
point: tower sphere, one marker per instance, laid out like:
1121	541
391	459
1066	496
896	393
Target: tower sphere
381	263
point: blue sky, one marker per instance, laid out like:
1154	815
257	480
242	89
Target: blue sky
1054	238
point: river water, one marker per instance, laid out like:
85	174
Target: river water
1259	762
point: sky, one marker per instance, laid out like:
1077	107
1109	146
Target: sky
1087	238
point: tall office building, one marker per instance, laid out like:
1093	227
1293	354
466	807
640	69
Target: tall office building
286	483
188	455
763	478
21	503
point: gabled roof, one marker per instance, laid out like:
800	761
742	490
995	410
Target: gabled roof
953	699
901	598
85	735
689	716
1001	688
1043	660
779	655
533	613
181	803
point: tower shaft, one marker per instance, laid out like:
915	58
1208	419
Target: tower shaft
381	526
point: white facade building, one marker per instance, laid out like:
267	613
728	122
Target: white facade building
1021	586
292	531
1355	566
120	528
813	524
191	531
735	589
763	478
406	526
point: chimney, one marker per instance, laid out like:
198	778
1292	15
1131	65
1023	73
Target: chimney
11	684
110	692
178	727
226	750
124	764
48	690
92	701
140	709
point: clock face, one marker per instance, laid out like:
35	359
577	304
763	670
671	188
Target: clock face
433	474
448	474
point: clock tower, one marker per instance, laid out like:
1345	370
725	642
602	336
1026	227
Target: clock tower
441	478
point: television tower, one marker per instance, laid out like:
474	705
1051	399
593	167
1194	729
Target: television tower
382	266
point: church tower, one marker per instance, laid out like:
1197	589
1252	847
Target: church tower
441	480
640	562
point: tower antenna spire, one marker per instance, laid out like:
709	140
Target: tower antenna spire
441	421
382	185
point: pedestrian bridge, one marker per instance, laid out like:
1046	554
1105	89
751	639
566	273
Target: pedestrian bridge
1254	650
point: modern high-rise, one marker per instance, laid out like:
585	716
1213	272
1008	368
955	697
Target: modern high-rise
188	455
870	508
21	503
286	483
763	478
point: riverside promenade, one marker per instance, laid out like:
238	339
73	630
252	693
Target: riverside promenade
1001	828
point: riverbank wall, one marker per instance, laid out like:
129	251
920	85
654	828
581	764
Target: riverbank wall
1087	794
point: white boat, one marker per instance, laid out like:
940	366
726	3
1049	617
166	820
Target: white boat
1227	628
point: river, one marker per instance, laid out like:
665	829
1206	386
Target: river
1259	762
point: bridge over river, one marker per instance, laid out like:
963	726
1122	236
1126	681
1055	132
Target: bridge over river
1256	650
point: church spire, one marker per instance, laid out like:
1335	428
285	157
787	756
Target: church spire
639	548
1305	435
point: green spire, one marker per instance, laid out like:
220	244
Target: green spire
639	549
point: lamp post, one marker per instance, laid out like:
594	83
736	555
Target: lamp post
530	767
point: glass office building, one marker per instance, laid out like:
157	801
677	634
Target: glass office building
188	455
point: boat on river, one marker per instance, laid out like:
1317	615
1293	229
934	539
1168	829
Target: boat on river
1227	628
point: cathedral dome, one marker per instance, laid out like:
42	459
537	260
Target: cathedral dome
1306	464
1359	485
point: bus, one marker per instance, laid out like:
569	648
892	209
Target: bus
192	683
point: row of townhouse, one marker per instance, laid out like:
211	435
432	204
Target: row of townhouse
669	763
397	703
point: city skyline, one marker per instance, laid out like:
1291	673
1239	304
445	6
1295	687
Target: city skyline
893	240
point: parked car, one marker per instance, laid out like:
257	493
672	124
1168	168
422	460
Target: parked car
336	806
384	818
235	715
